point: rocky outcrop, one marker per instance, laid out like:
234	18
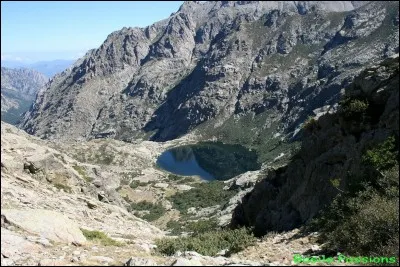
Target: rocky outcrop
48	224
332	149
18	91
213	62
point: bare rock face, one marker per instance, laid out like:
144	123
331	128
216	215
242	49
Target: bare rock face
210	62
46	223
291	195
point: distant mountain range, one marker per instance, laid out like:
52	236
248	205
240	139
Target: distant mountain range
48	68
18	90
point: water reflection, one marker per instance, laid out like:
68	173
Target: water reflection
209	160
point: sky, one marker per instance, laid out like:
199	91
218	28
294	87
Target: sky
40	31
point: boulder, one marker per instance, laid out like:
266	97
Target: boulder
137	261
46	223
187	262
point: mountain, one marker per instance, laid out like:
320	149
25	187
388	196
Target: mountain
346	170
216	68
48	68
18	91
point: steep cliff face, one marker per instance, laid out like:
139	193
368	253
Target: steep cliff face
210	62
332	150
18	91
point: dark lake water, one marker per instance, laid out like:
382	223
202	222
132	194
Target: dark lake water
209	160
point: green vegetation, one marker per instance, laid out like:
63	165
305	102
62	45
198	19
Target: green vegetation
202	226
208	243
311	124
82	173
194	227
175	227
100	237
155	211
64	187
201	196
181	179
383	156
364	219
353	109
135	184
262	125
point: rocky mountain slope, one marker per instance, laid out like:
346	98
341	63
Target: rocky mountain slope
217	67
56	197
18	91
333	157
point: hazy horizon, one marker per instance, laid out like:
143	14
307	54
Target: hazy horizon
45	31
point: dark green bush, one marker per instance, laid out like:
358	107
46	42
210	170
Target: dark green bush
383	156
135	184
203	195
363	222
202	226
175	227
311	124
208	243
351	108
155	211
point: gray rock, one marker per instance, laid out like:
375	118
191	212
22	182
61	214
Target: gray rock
7	262
137	261
101	259
186	262
293	194
48	224
13	245
215	61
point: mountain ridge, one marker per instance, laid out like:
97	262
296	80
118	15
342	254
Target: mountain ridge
210	62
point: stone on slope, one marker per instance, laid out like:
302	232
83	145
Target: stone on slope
137	261
186	262
14	245
48	224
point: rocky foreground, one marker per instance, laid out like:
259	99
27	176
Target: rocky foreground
46	205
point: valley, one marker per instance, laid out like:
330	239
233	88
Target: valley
232	133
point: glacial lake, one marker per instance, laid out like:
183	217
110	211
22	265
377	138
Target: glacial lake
209	160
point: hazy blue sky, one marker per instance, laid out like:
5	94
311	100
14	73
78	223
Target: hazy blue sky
33	31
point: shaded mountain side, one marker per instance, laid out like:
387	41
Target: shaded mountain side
18	91
213	63
343	153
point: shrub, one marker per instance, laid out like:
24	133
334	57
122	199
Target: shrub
202	226
100	237
82	173
203	195
311	124
383	156
365	221
135	184
351	108
208	243
370	228
174	177
64	187
175	227
155	211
